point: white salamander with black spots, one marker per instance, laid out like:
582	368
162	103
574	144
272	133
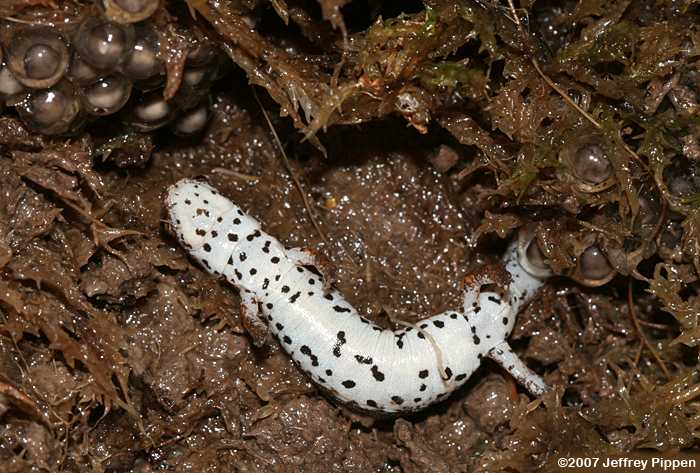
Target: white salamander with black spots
358	362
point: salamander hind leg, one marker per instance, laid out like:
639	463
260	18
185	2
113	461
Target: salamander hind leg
504	356
250	311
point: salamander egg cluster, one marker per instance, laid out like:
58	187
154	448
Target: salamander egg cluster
61	77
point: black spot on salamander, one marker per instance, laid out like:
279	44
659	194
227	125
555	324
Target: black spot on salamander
494	299
236	221
266	247
453	315
329	372
232	237
420	335
279	326
397	399
266	283
371	403
477	340
214	234
206	247
348	383
238	274
378	375
188	202
340	309
269	305
294	297
206	263
448	373
285	289
230	260
242	256
274	260
439	323
505	320
287	340
423	387
477	309
311	281
328	296
200	232
253	271
363	360
305	350
461	377
422	374
219	219
340	342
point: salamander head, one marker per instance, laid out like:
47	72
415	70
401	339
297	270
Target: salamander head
193	207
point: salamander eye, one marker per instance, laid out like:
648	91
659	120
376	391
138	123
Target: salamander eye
530	255
50	111
107	95
150	111
38	57
591	164
103	43
129	11
191	121
143	62
593	268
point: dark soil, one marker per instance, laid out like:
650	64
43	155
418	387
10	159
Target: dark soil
422	141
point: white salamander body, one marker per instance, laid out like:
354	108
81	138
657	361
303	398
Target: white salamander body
358	362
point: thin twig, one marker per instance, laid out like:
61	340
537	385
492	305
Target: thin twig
290	171
638	328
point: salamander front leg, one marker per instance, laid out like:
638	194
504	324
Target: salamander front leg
303	256
504	356
309	257
257	329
